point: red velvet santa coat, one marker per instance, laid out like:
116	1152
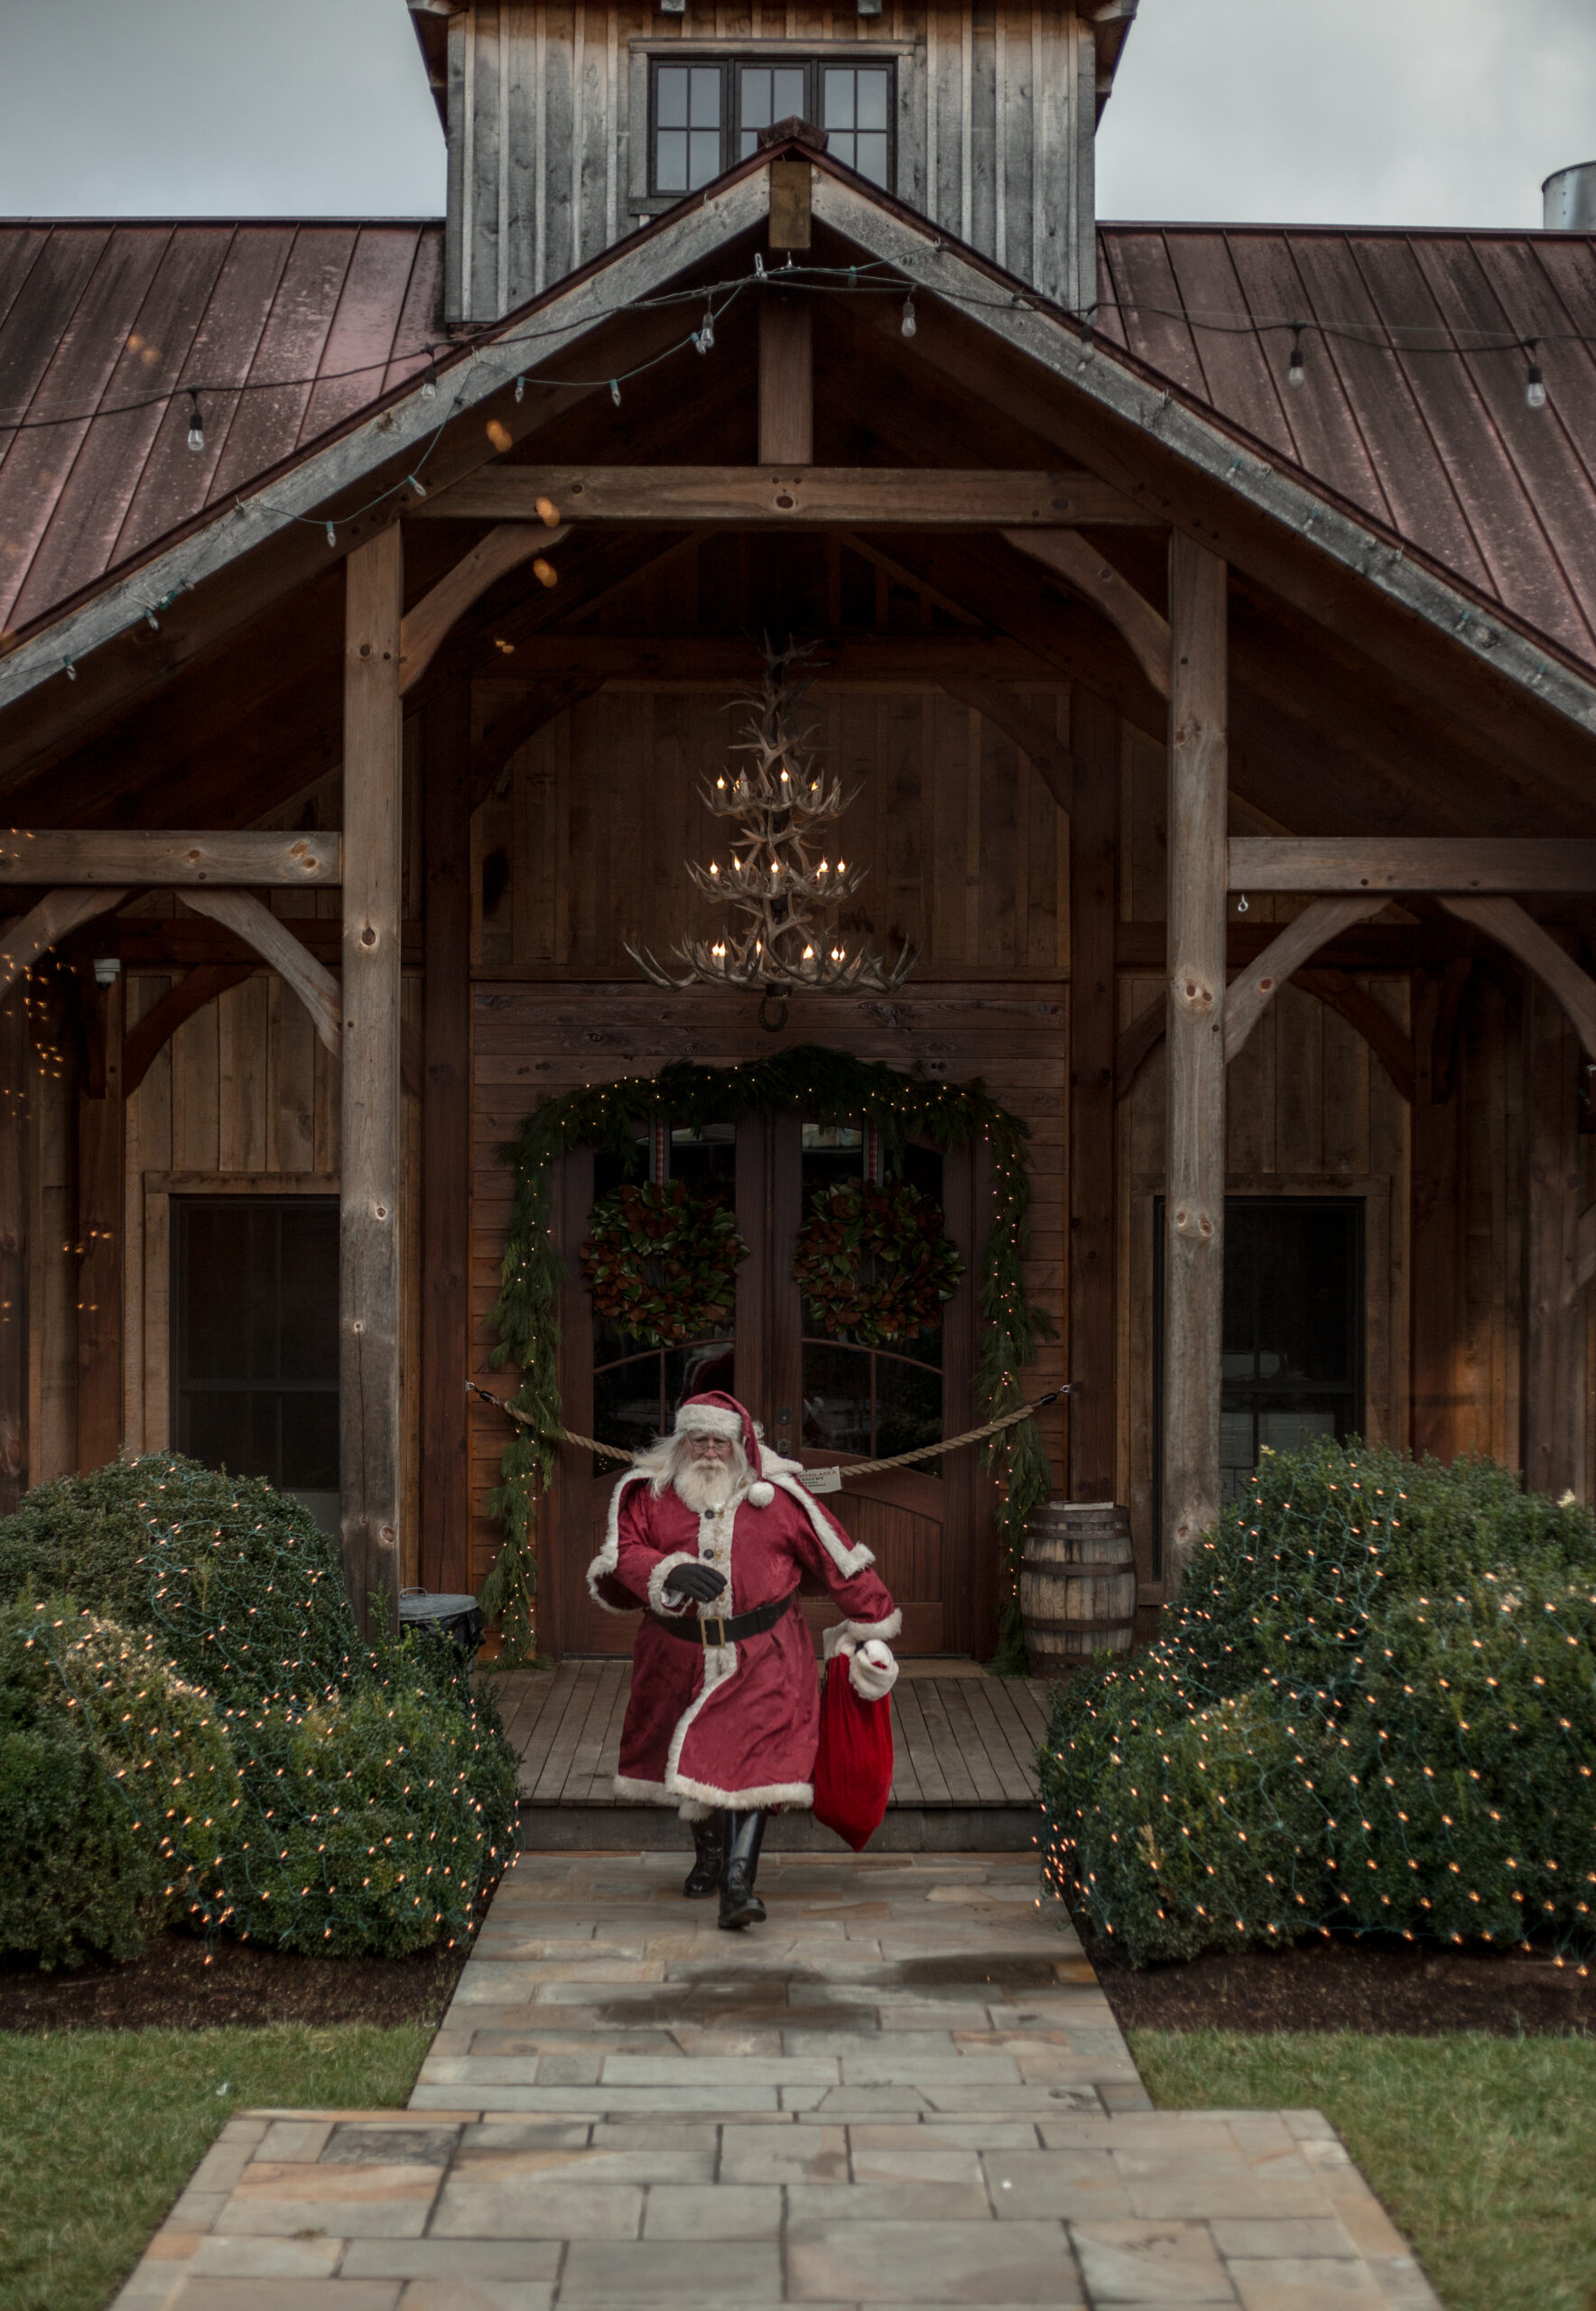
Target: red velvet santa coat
728	1725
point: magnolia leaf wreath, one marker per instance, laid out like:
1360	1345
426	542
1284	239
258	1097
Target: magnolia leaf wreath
662	1262
873	1261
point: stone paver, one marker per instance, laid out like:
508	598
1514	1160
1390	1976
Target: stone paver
906	2089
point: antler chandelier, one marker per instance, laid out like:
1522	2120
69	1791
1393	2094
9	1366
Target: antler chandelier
788	899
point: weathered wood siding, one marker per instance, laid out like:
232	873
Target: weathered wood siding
548	111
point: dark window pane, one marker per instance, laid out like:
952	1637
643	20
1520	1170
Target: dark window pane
627	1407
836	1397
706	1158
870	156
908	1408
254	1336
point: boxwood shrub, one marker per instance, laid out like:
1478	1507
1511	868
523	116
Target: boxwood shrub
1373	1706
370	1793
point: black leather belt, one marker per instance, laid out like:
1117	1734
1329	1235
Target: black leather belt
715	1628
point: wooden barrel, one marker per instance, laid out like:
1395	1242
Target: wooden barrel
1077	1584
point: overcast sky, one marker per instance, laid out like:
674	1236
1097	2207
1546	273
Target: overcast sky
1367	111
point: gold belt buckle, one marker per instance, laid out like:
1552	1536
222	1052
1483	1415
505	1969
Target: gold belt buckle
716	1621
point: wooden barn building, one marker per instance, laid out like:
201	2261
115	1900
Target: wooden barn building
1205	616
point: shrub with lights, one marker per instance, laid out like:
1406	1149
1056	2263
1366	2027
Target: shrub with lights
1372	1708
165	1631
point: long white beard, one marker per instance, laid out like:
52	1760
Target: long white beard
705	1485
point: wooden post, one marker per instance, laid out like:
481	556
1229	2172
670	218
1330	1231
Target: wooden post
1554	1385
787	381
1194	1248
101	1142
1094	909
369	1458
15	1074
1434	1223
446	1139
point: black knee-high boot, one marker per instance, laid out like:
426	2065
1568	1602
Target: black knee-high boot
739	1904
709	1846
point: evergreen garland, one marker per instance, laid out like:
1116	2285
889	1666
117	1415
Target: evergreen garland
833	1088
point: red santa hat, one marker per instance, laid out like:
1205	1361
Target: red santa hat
715	1414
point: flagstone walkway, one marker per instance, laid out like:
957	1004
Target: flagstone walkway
907	2088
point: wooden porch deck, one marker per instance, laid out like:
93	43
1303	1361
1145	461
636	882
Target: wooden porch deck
965	1753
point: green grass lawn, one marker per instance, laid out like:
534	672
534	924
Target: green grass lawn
101	2128
1483	2150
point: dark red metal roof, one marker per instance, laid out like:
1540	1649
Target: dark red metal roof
1413	407
1411	410
287	328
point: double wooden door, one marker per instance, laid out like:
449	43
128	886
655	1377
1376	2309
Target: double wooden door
822	1400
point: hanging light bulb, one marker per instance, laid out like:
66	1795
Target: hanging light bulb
520	390
907	324
1535	383
1294	371
196	422
615	391
428	385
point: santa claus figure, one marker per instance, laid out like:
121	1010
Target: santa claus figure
715	1535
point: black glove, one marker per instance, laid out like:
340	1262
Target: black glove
700	1582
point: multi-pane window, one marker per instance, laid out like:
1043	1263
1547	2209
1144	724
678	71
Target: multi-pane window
1292	1354
708	115
254	1341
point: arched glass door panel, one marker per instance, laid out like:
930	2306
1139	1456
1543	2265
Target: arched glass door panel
636	1388
859	1400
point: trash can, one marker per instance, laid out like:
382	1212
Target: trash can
455	1619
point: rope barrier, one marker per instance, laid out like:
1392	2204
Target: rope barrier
847	1469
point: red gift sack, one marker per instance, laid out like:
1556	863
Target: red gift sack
853	1766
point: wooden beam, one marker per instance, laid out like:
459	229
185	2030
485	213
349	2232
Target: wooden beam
1094	907
1435	1232
1555	1400
57	913
1379	1031
668	661
89	855
1248	997
906	577
1075	560
1443	1055
514	720
1194	1242
1410	863
812	496
1538	951
144	1041
1585	1247
1137	1043
173	942
276	943
101	1196
786	380
428	625
369	1454
1042	747
446	1140
15	1175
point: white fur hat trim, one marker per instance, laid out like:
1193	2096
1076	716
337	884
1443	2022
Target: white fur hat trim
708	1420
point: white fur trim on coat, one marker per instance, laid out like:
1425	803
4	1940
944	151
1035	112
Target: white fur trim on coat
861	1632
609	1555
761	1494
848	1561
659	1579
